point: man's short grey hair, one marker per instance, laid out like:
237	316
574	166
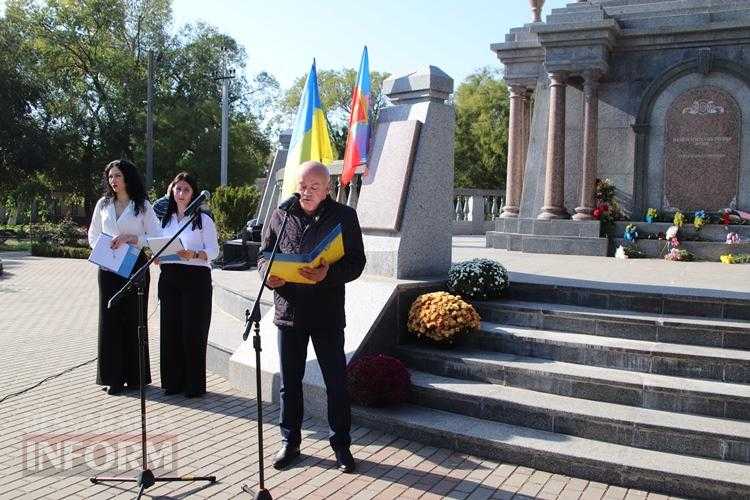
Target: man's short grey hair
315	168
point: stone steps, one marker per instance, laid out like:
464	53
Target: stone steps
643	390
703	250
559	453
727	365
708	437
654	327
667	15
709	232
637	298
637	9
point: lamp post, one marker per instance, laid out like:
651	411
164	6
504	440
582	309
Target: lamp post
150	122
227	75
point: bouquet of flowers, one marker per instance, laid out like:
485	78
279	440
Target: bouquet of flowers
700	219
740	258
679	219
733	238
629	252
378	380
726	218
680	255
651	215
600	210
631	233
478	279
671	236
441	317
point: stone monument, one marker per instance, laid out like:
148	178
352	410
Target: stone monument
651	94
408	189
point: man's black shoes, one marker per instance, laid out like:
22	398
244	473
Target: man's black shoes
285	456
344	460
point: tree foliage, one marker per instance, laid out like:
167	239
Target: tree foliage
481	140
77	74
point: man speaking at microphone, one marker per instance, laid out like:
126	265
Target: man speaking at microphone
316	311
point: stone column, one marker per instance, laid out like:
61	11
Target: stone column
590	144
526	129
554	182
514	173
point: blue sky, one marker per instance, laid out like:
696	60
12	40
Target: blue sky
282	36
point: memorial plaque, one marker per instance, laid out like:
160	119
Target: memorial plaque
702	150
386	183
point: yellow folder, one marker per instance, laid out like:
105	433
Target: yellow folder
287	265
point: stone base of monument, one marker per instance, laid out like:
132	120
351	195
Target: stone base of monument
707	244
567	237
703	250
709	232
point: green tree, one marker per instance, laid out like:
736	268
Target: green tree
188	113
335	88
481	139
23	141
91	56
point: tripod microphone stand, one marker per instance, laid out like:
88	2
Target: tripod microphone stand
146	478
252	320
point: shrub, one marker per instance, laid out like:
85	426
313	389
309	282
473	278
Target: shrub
232	207
47	250
478	279
378	380
441	317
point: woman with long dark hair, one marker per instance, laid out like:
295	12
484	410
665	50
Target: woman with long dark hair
185	293
124	214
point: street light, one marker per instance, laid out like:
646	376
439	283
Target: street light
229	74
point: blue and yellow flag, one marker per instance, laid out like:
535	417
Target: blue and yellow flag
310	139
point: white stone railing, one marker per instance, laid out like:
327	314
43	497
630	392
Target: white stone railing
474	209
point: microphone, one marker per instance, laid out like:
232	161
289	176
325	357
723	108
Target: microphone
289	203
197	202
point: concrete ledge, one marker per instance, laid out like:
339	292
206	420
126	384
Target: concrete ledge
562	245
566	227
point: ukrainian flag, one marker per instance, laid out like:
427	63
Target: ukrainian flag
310	139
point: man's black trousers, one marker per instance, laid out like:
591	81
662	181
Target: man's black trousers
329	348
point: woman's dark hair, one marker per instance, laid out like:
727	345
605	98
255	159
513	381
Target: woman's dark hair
172	207
133	184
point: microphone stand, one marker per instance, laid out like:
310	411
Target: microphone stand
146	478
252	319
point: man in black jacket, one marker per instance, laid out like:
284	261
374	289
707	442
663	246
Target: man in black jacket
313	311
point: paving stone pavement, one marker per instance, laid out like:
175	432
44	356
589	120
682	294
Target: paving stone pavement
48	315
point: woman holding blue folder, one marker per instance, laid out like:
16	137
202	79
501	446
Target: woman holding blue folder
185	293
124	214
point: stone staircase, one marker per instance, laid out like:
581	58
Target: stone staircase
643	390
